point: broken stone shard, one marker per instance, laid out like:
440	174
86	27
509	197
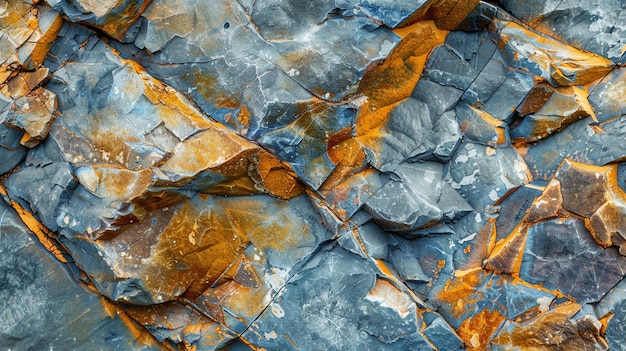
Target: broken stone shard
288	175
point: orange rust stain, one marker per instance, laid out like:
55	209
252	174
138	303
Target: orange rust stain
141	335
276	177
118	23
386	83
44	44
552	330
283	231
242	300
460	292
191	252
480	328
244	116
45	236
349	156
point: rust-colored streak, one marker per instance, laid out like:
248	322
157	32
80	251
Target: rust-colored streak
385	84
477	331
45	236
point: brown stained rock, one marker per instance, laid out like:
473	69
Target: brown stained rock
585	188
178	250
34	113
547	205
507	255
27	34
543	117
608	224
109	181
551	331
536	99
29	31
180	324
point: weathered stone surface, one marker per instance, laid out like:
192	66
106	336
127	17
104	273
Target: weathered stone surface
354	174
483	174
559	64
38	295
548	110
537	333
597	26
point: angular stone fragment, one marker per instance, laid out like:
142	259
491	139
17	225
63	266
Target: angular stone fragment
111	16
405	135
480	127
412	201
593	193
559	64
323	280
483	175
448	69
509	95
562	255
539	332
597	27
548	110
607	95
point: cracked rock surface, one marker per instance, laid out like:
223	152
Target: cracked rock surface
332	174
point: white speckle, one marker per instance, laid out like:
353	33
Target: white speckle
327	96
116	90
493	195
277	310
257	257
478	218
385	48
469	237
160	298
461	159
276	279
544	303
293	72
271	335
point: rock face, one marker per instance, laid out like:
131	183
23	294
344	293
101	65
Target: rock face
337	175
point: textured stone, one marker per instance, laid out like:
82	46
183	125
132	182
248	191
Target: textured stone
346	175
38	296
597	26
